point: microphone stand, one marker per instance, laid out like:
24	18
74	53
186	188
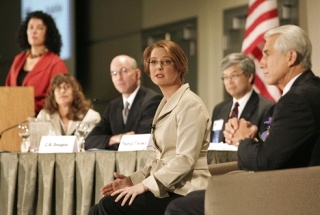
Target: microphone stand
11	127
81	119
93	101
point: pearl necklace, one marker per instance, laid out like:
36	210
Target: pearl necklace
30	55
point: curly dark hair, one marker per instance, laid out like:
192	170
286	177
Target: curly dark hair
53	38
79	105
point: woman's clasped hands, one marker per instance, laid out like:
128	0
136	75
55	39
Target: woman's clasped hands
124	188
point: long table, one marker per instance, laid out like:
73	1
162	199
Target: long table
67	183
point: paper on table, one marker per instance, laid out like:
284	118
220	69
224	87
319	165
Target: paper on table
222	147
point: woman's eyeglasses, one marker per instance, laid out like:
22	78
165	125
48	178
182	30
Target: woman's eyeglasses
165	62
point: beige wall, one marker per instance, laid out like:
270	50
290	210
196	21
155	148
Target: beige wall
313	28
210	21
108	33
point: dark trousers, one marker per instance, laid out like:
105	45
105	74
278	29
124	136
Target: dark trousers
144	204
191	204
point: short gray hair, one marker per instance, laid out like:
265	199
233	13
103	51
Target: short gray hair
243	61
292	37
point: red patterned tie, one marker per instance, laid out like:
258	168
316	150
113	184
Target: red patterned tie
235	110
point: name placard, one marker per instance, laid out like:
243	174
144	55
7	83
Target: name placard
135	142
222	147
58	144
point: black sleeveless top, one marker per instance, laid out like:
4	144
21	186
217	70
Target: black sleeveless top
21	76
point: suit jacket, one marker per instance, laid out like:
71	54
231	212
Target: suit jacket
294	133
92	118
181	128
254	111
39	77
139	119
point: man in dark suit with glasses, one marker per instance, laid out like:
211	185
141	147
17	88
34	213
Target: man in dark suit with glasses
132	113
238	73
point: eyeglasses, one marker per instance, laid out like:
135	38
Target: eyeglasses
165	62
63	87
231	77
122	71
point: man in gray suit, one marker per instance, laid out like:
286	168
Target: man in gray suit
132	113
238	73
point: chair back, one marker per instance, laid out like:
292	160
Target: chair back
315	155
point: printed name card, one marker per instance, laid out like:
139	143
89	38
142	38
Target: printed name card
222	147
216	128
135	142
58	144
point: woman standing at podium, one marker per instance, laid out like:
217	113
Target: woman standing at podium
39	61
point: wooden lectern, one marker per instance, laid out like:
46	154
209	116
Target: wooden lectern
16	105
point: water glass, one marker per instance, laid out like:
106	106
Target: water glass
82	131
24	133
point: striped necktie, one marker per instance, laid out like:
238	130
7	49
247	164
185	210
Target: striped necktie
125	112
234	112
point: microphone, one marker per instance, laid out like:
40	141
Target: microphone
11	127
93	101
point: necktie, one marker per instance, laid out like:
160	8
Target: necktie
125	112
234	112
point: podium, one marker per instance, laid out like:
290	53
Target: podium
16	105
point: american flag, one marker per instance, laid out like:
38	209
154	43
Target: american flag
262	16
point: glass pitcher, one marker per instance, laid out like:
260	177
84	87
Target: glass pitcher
38	128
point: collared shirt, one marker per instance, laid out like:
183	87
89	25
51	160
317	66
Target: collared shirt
289	85
130	98
242	102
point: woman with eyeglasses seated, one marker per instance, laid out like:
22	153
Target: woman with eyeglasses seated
65	106
180	132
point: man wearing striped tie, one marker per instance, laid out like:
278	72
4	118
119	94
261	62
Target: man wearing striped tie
130	113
